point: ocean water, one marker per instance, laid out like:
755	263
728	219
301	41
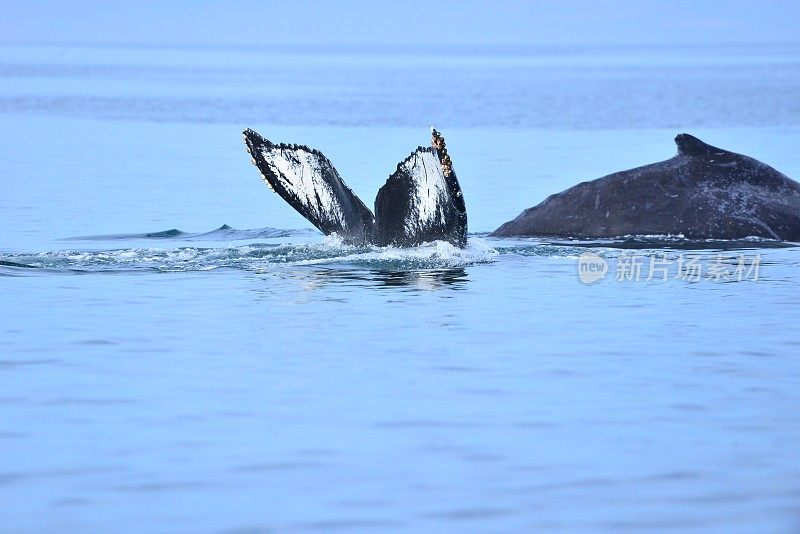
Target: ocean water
180	351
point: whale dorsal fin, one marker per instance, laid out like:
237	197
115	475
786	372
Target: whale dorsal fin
689	145
308	181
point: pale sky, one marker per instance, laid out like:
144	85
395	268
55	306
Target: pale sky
419	23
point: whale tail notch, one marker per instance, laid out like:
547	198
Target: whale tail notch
420	202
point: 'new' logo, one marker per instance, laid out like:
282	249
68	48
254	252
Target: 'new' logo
591	268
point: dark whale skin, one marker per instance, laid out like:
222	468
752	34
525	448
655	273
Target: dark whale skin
703	192
420	202
397	218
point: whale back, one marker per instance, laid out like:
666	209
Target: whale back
703	192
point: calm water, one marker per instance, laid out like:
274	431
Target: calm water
163	372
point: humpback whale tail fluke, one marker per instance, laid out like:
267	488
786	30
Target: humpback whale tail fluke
420	202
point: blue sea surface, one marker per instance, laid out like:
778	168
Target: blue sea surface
182	352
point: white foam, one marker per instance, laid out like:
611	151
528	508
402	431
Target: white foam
332	250
435	254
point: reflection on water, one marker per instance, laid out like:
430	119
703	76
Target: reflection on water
425	280
419	280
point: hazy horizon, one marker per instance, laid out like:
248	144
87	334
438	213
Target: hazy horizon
446	23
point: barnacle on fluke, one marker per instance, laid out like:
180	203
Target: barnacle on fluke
437	142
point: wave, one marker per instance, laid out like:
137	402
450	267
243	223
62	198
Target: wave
640	242
255	257
270	249
223	233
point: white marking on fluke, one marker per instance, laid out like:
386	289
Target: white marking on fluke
429	193
297	170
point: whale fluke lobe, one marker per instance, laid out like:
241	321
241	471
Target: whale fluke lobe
704	192
420	202
307	180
